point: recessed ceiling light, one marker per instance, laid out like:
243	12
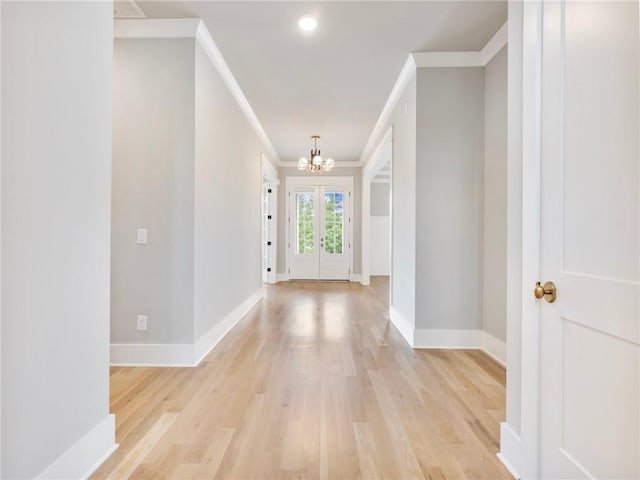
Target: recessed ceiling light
307	24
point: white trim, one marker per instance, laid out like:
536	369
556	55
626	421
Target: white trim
151	355
381	180
195	28
430	59
497	42
209	340
494	347
402	325
185	354
86	455
450	339
155	28
510	449
355	277
268	170
213	52
282	277
406	74
448	59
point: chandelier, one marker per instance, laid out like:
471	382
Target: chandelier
317	164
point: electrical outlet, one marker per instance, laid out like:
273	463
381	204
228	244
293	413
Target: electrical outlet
142	323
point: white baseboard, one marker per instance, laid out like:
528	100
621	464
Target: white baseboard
151	355
494	347
355	277
282	277
404	326
83	458
180	355
510	448
452	339
209	340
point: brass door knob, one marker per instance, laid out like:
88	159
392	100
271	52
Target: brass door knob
548	291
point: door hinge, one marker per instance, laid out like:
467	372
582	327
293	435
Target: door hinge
289	244
269	217
289	270
268	243
268	190
268	269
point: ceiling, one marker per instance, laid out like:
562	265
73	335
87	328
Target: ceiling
335	81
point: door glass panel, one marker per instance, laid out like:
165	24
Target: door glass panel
333	222
305	213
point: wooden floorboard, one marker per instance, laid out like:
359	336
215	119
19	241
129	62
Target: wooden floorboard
314	382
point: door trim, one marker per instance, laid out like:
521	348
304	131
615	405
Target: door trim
308	181
271	175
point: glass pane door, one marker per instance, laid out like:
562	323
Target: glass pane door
333	222
305	212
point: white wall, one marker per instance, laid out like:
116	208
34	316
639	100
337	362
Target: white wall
380	229
403	214
56	171
494	294
380	199
228	187
450	140
153	188
356	197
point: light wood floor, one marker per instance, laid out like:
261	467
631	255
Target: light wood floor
314	383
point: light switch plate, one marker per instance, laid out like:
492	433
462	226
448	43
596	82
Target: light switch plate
142	236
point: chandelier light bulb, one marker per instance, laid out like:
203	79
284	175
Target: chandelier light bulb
307	24
317	164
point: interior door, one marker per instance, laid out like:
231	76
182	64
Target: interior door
320	244
590	336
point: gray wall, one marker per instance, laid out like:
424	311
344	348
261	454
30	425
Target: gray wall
56	170
450	140
356	197
380	199
153	188
494	298
228	186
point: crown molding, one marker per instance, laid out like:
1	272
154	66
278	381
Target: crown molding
195	28
155	28
430	59
406	74
213	52
497	42
448	59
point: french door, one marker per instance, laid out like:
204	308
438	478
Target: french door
590	241
319	235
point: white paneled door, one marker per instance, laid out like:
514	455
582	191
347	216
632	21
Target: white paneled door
319	233
590	243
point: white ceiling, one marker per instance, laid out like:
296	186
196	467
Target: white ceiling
335	81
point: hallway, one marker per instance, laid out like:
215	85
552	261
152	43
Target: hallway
313	383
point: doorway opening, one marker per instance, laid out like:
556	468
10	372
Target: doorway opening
377	218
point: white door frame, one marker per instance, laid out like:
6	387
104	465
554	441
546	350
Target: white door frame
270	174
368	173
318	181
519	447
